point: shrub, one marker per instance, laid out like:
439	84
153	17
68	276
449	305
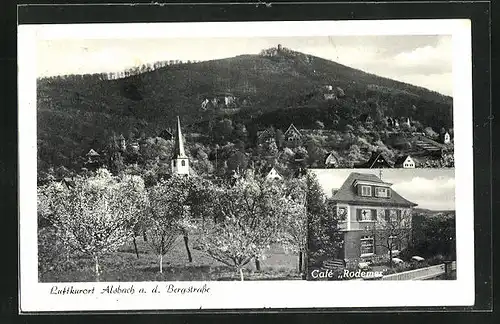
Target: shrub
438	259
53	255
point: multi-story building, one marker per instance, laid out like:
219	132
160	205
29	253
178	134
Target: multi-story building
373	217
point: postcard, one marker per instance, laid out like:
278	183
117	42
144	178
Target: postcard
245	165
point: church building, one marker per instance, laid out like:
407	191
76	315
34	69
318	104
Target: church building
180	161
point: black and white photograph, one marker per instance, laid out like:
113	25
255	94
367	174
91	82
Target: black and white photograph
396	224
211	160
135	137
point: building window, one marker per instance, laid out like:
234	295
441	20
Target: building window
366	215
175	163
342	213
393	216
366	191
382	192
367	245
183	163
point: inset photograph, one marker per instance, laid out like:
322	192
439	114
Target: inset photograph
381	224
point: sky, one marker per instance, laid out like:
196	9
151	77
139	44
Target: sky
425	61
432	189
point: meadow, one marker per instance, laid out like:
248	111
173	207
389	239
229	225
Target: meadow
124	266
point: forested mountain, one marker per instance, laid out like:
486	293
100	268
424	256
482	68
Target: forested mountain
254	92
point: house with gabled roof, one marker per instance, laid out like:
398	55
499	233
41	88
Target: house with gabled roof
93	160
405	162
332	160
364	203
271	173
265	136
92	153
292	134
377	160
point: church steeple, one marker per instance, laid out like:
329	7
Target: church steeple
180	162
179	141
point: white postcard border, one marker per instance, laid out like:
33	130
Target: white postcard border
36	297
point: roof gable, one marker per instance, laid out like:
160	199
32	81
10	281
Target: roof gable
332	157
292	130
377	158
92	153
272	171
402	159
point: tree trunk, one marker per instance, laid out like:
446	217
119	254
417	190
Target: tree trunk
257	264
186	243
161	263
241	274
300	261
135	248
96	268
306	266
390	257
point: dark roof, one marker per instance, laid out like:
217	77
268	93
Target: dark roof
267	169
335	155
373	159
347	193
166	133
400	160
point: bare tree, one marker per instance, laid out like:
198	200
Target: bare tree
392	231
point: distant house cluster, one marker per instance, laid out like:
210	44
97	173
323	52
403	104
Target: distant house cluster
180	161
398	121
422	149
218	101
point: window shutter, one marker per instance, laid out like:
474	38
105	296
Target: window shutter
389	192
372	191
358	214
387	215
399	215
374	214
359	190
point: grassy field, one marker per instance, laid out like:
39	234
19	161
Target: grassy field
124	265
